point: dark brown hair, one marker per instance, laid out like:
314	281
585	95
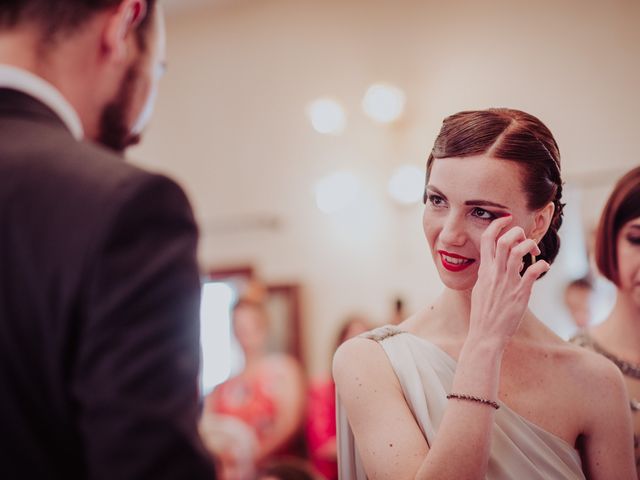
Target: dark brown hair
515	136
623	205
56	17
582	283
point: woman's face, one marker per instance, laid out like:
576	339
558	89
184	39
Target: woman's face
463	196
250	328
629	259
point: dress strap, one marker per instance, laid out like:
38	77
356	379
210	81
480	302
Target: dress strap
381	333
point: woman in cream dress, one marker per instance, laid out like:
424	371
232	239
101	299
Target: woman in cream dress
523	403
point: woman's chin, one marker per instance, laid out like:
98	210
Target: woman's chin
458	280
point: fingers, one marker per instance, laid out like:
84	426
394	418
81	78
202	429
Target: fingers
506	243
490	235
532	274
523	248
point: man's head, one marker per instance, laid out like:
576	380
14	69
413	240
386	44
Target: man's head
124	118
577	298
105	56
57	18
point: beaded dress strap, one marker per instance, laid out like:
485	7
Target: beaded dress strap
381	333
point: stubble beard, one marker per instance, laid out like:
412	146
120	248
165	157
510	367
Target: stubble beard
114	129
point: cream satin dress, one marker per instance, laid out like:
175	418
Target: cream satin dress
520	450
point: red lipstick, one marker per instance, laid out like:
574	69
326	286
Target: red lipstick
454	262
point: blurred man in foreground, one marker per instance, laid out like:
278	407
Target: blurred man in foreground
99	288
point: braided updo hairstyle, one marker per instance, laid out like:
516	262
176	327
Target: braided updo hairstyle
515	136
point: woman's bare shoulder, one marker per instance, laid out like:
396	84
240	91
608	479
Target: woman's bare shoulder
597	379
587	365
584	368
356	350
361	359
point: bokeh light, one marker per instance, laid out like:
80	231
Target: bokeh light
384	103
327	116
406	185
336	191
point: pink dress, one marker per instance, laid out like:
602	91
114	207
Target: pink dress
320	426
247	399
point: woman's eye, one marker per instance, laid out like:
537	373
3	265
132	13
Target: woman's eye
483	214
435	200
633	240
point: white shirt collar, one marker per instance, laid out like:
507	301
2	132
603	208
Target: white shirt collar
34	86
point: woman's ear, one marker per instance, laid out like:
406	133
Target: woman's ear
541	221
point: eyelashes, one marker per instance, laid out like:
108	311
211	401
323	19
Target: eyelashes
633	240
436	201
483	214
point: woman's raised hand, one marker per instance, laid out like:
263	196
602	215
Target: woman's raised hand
500	295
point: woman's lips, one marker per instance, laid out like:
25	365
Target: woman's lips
454	262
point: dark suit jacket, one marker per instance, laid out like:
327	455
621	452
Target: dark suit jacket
99	297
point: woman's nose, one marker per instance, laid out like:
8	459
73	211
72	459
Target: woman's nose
453	232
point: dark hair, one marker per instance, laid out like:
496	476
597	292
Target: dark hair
623	205
242	302
584	283
62	16
515	136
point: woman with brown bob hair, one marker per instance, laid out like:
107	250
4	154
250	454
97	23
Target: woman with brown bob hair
618	259
475	386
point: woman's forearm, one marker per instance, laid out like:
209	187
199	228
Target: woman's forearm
462	445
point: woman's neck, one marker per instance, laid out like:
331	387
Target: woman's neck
453	309
620	332
252	359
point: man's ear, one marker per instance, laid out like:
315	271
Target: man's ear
122	22
542	220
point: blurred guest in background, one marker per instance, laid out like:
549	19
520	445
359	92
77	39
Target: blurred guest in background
577	298
268	395
233	443
99	285
320	423
618	258
398	314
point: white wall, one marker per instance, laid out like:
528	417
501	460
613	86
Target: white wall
230	125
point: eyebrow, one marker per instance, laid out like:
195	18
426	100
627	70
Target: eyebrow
481	203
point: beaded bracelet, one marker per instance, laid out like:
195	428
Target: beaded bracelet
474	399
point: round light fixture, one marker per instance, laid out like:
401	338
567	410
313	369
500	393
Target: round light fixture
406	185
384	103
327	116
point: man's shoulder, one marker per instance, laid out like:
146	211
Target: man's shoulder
109	183
50	162
93	168
58	182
